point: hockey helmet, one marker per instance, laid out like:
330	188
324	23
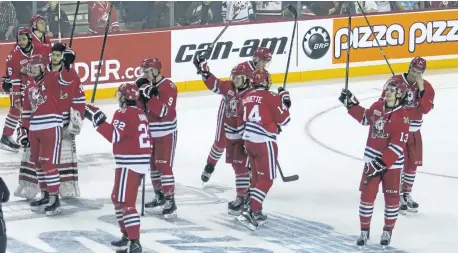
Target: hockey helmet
260	78
34	21
36	65
129	91
263	53
150	63
398	85
24	31
418	64
239	76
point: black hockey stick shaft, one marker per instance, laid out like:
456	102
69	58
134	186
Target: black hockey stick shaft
74	23
209	50
143	195
107	28
294	12
347	63
287	178
375	37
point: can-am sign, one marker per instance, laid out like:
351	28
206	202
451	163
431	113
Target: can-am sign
400	35
226	49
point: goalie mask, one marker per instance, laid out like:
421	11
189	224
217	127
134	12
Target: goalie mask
127	95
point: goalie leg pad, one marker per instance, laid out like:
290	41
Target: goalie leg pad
28	186
68	168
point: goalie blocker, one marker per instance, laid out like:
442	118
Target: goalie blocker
73	101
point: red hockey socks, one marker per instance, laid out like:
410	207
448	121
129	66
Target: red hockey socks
168	184
11	121
408	179
391	211
365	214
242	179
41	178
259	192
52	178
132	222
215	154
120	219
155	177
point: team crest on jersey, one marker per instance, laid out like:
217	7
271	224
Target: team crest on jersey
378	129
231	109
411	98
36	98
63	95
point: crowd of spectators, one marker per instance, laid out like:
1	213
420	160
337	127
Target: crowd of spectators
135	15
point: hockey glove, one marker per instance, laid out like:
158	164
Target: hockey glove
7	85
23	137
285	98
4	192
76	123
68	58
201	65
375	167
95	115
148	91
348	99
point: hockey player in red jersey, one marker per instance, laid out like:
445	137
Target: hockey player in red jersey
38	26
261	59
42	125
264	112
419	101
98	17
129	134
158	97
15	80
232	91
384	153
73	101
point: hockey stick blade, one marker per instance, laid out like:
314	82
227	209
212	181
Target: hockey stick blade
287	178
292	10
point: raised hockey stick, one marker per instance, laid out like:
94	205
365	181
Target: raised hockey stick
376	39
347	63
294	12
59	35
74	23
209	50
107	28
143	195
287	178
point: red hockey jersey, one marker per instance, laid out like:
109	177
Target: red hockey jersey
16	65
72	95
161	110
233	126
42	108
263	111
417	103
131	141
388	134
98	17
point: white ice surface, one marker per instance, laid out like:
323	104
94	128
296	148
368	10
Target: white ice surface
322	207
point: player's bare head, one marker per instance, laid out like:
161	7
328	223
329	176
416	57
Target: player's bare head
151	68
259	79
395	90
239	76
36	66
417	66
57	51
38	23
262	57
24	37
127	94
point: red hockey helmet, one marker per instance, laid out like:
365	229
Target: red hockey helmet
398	84
151	63
259	78
129	91
33	22
239	76
24	31
418	63
263	53
36	65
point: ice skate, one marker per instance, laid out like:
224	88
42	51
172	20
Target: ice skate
248	220
410	205
40	204
157	204
7	143
363	238
386	239
133	246
260	218
236	206
121	243
53	207
170	208
207	173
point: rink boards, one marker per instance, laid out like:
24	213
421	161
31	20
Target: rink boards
318	49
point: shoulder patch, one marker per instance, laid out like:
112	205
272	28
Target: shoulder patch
377	113
172	85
